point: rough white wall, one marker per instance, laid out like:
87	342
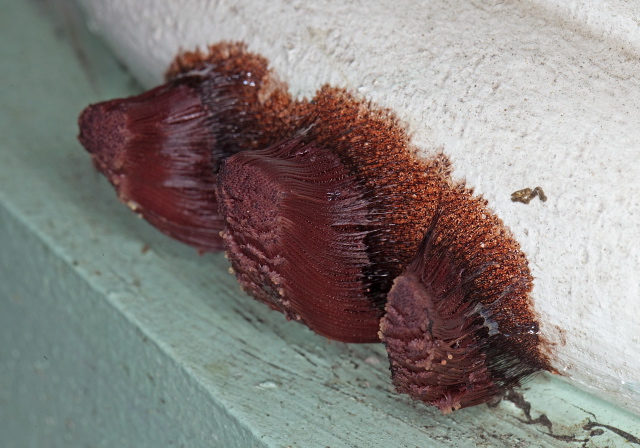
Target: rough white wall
518	93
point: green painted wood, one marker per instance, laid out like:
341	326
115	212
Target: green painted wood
113	335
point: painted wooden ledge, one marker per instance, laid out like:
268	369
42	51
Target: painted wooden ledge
113	335
518	94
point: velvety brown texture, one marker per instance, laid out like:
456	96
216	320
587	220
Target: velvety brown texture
162	149
458	327
333	218
156	151
296	227
253	107
401	189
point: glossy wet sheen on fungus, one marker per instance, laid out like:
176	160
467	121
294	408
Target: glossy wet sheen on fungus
162	149
151	154
296	223
400	188
336	223
458	327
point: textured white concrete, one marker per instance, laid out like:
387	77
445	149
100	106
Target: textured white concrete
519	94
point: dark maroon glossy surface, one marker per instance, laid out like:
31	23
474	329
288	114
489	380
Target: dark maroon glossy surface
296	224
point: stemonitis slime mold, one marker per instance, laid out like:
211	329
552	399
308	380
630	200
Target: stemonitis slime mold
296	227
458	326
162	149
327	215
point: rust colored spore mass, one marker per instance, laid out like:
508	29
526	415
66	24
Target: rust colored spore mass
458	326
337	223
162	149
401	189
151	148
296	227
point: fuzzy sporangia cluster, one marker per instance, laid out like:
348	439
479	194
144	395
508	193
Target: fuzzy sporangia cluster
327	214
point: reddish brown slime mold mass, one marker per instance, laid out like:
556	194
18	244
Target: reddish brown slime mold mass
296	227
337	223
161	150
459	329
396	190
401	189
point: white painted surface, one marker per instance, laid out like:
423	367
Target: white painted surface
518	94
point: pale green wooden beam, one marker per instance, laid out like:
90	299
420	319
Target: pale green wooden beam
112	335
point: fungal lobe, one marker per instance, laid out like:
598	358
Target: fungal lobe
459	327
162	149
329	216
296	228
396	192
400	188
